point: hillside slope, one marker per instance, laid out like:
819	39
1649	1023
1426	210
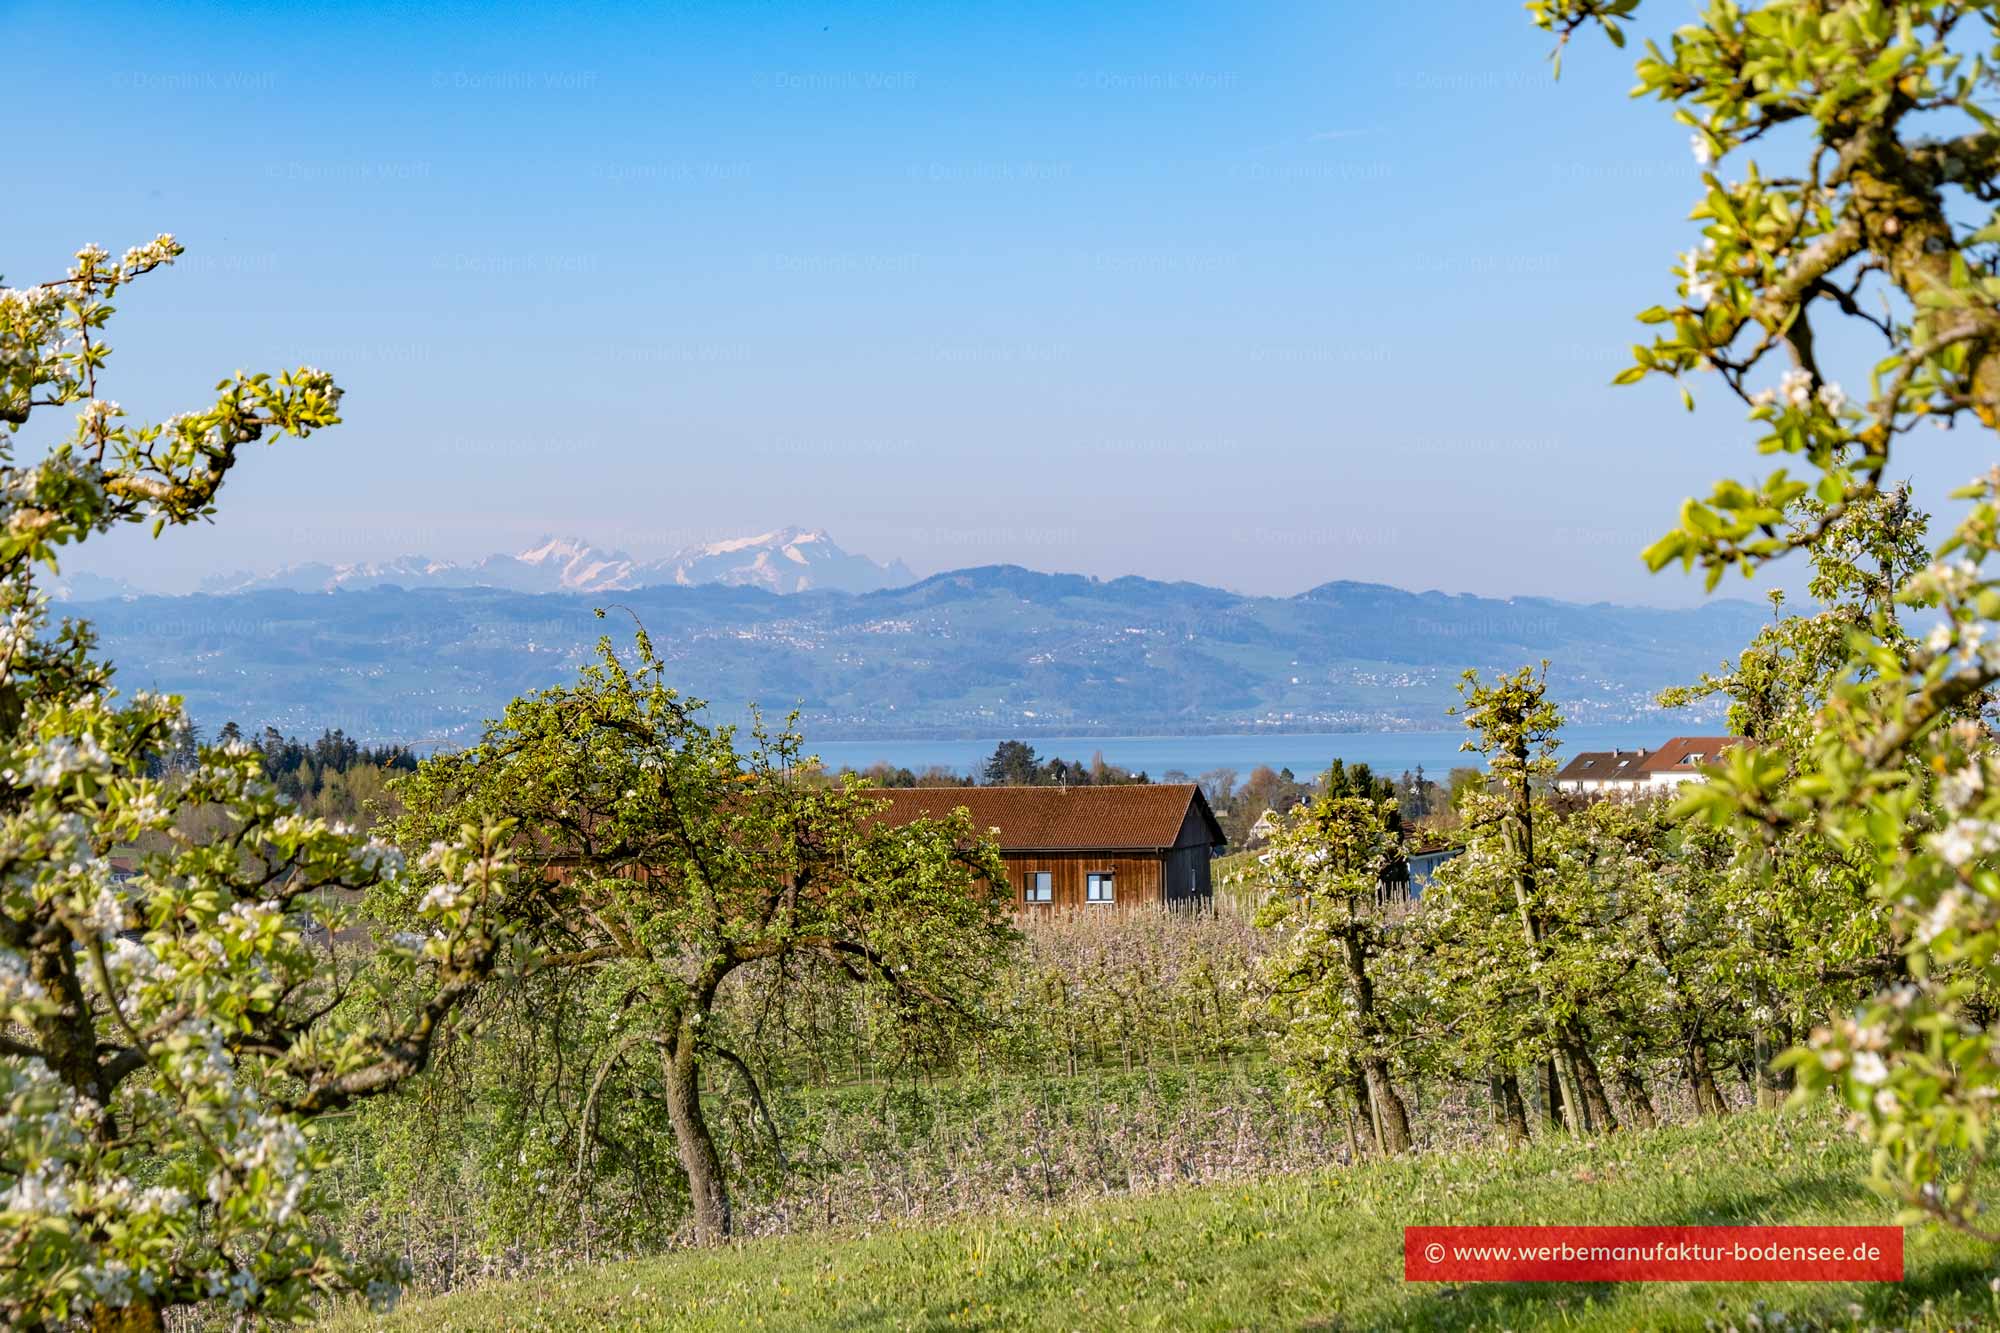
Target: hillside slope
1319	1252
978	652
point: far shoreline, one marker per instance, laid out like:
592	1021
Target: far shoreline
1387	752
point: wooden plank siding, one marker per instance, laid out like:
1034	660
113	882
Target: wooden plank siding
1136	878
1185	867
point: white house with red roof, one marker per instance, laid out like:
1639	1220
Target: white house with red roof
1642	771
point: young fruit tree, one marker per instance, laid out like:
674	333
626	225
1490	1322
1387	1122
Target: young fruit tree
678	865
1321	876
1516	727
172	1032
1877	220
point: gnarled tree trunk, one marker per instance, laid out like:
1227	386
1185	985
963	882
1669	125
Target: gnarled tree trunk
1637	1104
1773	1084
1364	1107
1391	1116
1598	1117
1707	1095
706	1186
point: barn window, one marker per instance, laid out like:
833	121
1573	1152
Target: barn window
1038	887
1098	887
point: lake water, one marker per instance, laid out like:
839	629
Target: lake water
1387	752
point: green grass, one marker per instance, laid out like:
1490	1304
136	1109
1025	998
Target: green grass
1320	1252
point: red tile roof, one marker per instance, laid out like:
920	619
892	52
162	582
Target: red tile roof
1124	818
1682	754
1686	754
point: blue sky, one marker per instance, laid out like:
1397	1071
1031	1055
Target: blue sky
1258	295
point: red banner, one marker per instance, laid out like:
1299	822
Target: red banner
1653	1254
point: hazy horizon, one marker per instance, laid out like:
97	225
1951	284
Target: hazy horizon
189	583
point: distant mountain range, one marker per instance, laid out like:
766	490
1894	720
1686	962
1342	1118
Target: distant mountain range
996	650
789	560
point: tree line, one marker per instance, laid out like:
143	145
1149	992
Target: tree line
1237	804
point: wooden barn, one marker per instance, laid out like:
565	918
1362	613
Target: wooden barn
1085	847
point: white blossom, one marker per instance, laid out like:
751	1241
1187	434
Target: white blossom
1949	579
107	912
55	761
1962	786
161	1199
1965	840
381	858
1943	916
1701	286
1796	387
41	1191
129	958
16	986
441	898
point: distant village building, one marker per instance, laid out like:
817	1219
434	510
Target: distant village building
1643	772
1406	879
1085	847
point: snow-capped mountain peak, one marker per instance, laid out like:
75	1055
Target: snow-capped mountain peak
564	549
577	565
778	540
785	560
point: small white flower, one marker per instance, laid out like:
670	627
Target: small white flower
161	1199
1700	286
1943	916
1703	150
1869	1070
40	1190
15	983
1961	787
441	898
1796	386
1947	579
55	760
1965	840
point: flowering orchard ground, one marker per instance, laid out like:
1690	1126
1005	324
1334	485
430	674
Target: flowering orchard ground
1289	1252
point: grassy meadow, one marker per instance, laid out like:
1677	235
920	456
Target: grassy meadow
1315	1250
